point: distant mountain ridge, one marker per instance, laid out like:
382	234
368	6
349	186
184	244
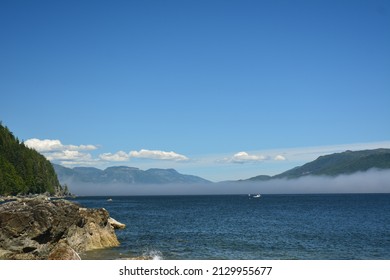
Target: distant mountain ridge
347	162
125	175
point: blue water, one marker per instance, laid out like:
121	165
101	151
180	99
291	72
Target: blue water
342	226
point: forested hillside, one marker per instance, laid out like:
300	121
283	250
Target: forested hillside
347	162
24	170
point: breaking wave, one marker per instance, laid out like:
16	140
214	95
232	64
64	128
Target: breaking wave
153	255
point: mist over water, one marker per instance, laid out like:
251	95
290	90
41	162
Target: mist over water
371	181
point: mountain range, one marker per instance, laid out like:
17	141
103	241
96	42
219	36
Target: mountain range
347	162
125	175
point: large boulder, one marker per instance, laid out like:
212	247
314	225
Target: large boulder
39	228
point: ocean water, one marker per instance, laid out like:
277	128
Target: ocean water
342	226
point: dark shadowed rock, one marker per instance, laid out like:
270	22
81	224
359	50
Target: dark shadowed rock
41	229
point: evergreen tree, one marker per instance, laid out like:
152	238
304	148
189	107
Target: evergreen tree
23	170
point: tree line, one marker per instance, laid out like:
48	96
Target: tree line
24	170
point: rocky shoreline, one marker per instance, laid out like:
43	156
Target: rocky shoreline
21	197
39	228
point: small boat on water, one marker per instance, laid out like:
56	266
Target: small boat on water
257	196
110	199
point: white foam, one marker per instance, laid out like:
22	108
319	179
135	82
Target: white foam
153	254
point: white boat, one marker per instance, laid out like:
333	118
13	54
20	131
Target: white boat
257	196
110	199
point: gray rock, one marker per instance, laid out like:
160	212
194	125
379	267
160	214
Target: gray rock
38	228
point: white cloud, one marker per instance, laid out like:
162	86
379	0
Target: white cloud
68	155
118	156
81	147
242	157
55	151
48	145
279	157
155	154
92	163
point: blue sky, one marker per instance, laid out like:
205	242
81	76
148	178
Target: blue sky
219	89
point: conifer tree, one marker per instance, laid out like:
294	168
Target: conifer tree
23	170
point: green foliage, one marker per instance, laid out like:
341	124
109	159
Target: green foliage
23	170
347	162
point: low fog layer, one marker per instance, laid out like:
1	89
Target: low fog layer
372	181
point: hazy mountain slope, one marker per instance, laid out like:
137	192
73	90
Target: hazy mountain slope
347	162
124	174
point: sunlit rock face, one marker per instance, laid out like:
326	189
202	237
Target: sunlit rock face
43	229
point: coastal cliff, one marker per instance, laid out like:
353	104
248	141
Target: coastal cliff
39	228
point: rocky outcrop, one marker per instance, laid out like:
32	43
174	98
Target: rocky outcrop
62	251
115	224
39	228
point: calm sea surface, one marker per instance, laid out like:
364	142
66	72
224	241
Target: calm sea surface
346	226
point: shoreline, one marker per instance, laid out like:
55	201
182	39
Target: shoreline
44	196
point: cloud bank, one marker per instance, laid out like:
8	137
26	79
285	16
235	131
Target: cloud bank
154	154
55	151
244	157
118	156
143	154
48	145
372	181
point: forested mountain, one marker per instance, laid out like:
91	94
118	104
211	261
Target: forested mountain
24	170
347	162
123	174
